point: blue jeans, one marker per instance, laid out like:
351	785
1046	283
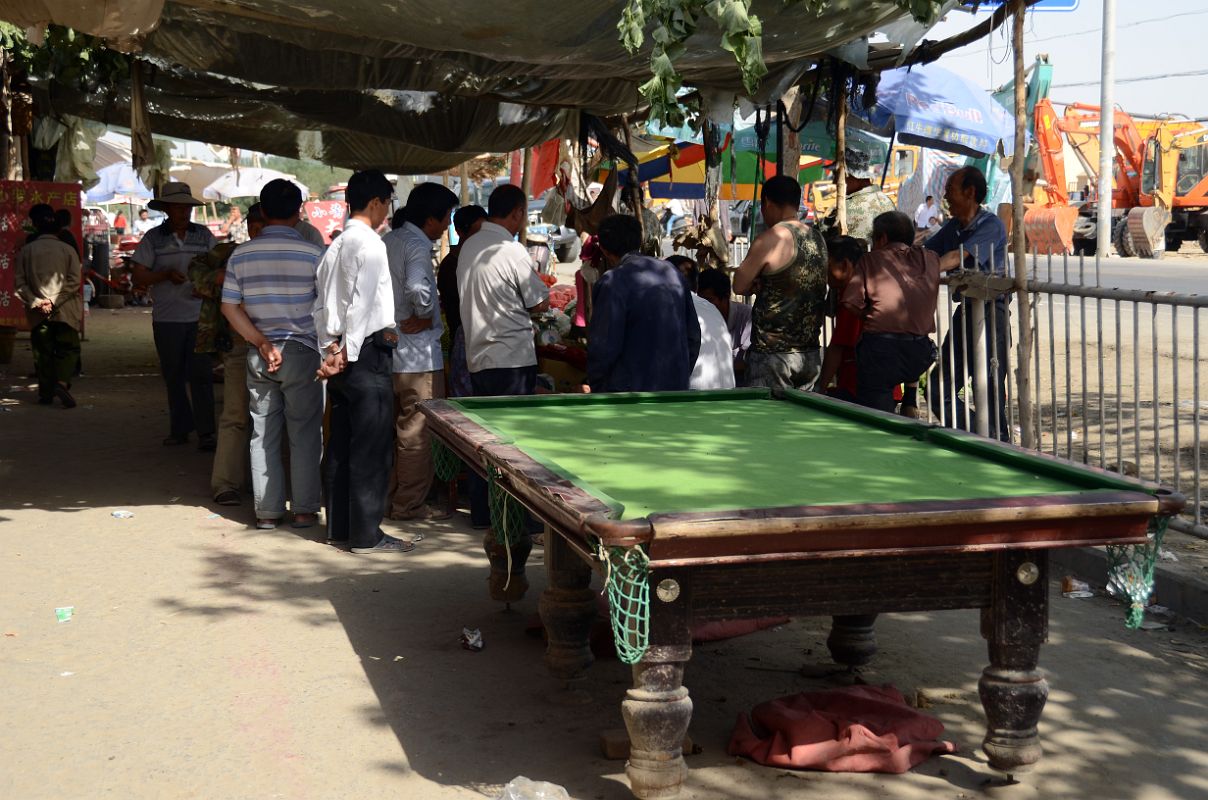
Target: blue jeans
292	399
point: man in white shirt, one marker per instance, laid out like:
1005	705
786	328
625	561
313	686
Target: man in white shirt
714	365
144	222
927	215
714	286
418	365
354	322
499	293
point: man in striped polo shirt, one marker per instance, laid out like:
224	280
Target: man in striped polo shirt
161	263
267	297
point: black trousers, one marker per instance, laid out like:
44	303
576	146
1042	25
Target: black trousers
56	347
491	383
188	377
360	449
956	364
885	360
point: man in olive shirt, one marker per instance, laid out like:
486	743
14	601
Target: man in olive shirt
48	282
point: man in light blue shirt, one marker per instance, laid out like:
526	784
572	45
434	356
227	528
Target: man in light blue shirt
267	296
973	238
418	366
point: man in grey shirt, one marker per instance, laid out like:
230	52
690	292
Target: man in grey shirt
161	263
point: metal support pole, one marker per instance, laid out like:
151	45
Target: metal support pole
1107	145
1027	420
981	376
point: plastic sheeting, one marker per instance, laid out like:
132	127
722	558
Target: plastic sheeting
417	85
119	20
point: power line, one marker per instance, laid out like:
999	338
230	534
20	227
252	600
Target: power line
1087	32
1142	79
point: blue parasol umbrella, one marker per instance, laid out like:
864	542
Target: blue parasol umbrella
929	106
119	183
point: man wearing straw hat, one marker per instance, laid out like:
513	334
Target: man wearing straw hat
161	263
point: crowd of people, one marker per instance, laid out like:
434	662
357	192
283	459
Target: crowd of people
329	351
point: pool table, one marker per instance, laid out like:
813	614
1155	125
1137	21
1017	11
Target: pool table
751	503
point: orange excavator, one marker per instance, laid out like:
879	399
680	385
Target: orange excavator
1159	181
1080	124
1049	225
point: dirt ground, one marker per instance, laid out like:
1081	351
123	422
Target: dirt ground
205	659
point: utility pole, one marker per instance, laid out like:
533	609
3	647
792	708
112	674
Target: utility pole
1107	144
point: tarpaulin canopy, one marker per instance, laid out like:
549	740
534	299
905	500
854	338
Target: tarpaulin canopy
336	80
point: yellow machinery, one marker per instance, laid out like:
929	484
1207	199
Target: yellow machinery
903	164
1174	191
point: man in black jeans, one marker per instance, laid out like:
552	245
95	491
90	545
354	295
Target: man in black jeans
354	320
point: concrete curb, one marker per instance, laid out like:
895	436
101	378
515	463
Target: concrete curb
1178	588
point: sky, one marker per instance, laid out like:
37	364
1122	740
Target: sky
1153	38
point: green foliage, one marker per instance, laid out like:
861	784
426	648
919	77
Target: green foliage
673	22
69	57
315	176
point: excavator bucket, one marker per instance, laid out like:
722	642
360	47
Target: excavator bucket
1147	229
1050	231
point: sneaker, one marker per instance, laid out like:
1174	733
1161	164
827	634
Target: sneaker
65	396
423	512
388	544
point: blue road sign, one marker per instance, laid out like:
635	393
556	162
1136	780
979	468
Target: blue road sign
1043	5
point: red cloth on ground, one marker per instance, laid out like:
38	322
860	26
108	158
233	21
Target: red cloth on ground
851	729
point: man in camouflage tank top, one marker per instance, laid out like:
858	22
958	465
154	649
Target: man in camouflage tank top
786	270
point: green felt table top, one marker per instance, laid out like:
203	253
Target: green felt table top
712	451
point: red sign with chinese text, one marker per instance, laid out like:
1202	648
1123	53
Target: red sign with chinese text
16	198
326	215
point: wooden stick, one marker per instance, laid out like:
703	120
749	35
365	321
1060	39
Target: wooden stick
841	161
1023	360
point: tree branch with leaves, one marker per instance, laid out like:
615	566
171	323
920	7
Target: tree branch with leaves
673	22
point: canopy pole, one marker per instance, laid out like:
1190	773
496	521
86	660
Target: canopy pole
526	183
635	187
779	140
1023	381
841	159
463	179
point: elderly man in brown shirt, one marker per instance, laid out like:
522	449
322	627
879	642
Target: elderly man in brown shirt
893	290
48	283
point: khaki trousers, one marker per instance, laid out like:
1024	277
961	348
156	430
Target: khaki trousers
231	469
412	477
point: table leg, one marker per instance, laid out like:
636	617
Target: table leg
568	608
1013	691
507	584
852	640
657	709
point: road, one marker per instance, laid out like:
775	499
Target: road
1181	275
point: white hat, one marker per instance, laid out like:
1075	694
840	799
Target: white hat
174	193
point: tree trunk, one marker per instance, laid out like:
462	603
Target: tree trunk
841	162
792	141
